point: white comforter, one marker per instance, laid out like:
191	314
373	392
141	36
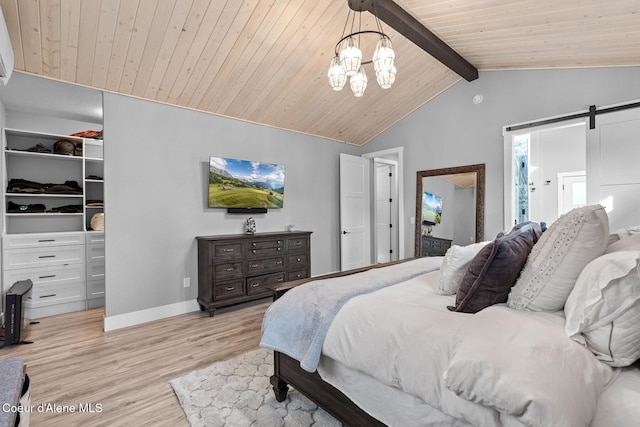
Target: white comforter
487	368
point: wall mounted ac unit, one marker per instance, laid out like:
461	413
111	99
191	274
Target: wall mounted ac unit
6	52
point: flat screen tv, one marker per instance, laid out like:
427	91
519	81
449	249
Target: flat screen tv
431	209
244	185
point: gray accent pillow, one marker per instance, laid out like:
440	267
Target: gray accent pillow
495	269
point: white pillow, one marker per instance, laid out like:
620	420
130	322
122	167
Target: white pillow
630	243
603	310
556	260
455	264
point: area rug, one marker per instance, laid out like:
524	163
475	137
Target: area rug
237	392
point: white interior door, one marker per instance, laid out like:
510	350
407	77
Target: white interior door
572	191
383	213
613	175
355	232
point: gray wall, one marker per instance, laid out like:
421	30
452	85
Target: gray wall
156	171
451	131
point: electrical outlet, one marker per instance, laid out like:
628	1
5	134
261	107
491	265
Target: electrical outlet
186	282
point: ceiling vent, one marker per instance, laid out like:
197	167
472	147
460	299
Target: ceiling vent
6	52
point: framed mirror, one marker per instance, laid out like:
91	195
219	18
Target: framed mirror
449	208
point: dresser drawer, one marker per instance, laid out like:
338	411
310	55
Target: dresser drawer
40	240
228	290
296	262
226	250
297	275
258	266
297	244
264	248
228	270
41	257
257	285
95	252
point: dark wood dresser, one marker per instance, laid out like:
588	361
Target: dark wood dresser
238	268
434	246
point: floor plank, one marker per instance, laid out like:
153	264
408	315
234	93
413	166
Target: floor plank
73	362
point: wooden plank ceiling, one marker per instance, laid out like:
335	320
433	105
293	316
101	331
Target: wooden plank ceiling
266	61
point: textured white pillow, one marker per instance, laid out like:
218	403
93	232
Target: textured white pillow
556	260
603	310
455	264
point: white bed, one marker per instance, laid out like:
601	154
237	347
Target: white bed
354	363
405	351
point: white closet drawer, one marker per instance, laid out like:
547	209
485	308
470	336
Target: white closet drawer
94	237
95	289
47	276
95	252
38	240
42	257
50	294
95	271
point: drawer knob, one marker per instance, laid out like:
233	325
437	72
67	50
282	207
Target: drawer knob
279	242
298	260
46	240
278	262
230	288
254	251
255	285
46	256
47	277
229	269
299	276
298	243
253	265
227	250
254	244
47	296
279	249
280	279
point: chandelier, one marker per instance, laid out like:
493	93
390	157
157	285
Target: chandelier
348	62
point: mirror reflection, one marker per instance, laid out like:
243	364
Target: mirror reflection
449	208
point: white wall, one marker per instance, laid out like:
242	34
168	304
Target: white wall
156	171
452	131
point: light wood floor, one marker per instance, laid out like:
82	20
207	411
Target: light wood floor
72	361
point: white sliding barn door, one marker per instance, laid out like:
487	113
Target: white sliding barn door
613	171
355	241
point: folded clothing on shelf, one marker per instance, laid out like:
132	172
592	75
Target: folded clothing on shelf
95	203
32	208
26	186
66	209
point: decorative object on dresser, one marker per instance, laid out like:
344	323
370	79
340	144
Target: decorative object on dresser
435	246
238	268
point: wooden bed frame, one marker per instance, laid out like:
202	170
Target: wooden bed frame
287	371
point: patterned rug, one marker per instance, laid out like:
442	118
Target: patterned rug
237	393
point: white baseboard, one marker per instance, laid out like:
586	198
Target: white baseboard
143	316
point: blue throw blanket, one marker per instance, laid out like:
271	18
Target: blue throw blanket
297	323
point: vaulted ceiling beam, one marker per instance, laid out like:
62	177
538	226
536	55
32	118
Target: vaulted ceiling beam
398	19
